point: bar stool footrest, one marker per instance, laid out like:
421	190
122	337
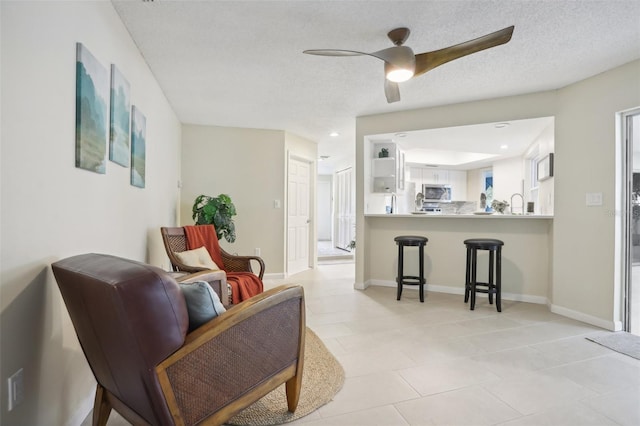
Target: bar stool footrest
416	280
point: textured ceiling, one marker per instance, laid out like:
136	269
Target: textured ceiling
240	63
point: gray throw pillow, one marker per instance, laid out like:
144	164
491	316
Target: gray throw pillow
203	304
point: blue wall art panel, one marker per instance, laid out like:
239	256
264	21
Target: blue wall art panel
138	147
92	91
120	118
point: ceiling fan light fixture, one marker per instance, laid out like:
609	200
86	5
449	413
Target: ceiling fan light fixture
399	63
399	75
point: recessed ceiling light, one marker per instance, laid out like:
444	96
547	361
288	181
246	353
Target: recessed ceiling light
501	125
334	134
401	135
504	146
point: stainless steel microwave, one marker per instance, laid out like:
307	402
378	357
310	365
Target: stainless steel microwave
433	192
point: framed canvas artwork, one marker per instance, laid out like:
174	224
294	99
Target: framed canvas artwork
545	168
120	118
138	147
92	95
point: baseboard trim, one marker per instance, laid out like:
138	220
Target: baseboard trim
274	276
540	300
586	318
84	410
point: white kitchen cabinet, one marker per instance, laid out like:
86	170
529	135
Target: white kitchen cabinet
429	175
435	176
388	173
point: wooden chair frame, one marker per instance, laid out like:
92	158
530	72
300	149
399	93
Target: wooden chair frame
175	240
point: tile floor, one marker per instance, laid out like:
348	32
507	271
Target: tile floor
329	254
438	363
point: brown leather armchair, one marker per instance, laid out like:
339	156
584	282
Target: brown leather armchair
131	320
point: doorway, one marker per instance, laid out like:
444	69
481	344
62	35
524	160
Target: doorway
327	207
298	215
630	137
345	210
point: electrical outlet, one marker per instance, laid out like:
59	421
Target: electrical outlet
257	251
594	199
15	392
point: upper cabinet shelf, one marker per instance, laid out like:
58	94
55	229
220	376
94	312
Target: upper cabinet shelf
387	171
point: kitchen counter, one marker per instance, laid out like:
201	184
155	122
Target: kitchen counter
462	216
525	256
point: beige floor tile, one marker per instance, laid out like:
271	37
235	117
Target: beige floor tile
380	416
603	375
621	406
513	362
331	331
424	351
395	339
537	392
570	414
469	406
571	349
365	392
532	316
489	324
363	363
444	376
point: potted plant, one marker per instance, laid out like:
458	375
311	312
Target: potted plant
219	212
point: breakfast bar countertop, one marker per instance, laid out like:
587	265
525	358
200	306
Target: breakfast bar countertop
491	216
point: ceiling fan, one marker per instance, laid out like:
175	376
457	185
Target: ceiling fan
401	64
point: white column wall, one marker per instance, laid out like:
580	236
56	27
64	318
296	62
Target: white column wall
51	209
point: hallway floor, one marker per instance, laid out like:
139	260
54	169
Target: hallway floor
328	254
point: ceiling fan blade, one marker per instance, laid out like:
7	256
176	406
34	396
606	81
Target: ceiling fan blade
429	60
391	91
333	52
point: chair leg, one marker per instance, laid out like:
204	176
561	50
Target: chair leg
499	279
474	271
400	270
101	407
421	275
292	387
467	282
491	285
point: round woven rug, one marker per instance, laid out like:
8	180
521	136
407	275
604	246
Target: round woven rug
322	378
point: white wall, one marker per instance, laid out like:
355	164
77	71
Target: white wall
248	165
51	210
508	175
585	146
581	279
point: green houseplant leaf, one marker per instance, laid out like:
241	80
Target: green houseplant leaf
219	212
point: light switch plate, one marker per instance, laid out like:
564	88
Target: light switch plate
594	198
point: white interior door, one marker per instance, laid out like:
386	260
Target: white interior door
324	216
298	217
345	209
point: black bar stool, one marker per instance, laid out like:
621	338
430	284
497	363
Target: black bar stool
410	240
471	284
